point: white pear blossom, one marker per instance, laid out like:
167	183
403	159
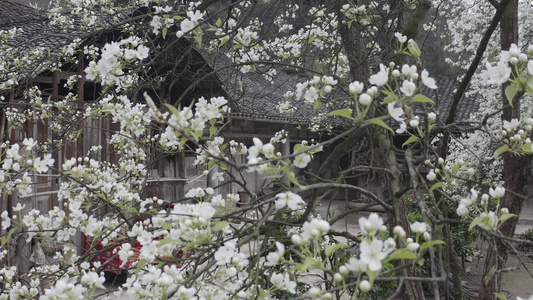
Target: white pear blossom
288	199
497	192
409	71
511	125
395	112
283	282
302	160
225	253
314	228
356	265
401	38
371	225
356	87
408	88
418	227
373	253
274	257
498	74
428	81
402	128
381	78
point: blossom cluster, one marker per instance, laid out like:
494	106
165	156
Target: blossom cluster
114	57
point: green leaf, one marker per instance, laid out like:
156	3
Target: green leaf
300	148
379	122
212	131
422	99
529	84
411	140
456	168
506	217
527	148
293	179
501	151
149	101
430	244
401	254
500	296
210	164
346	112
220	225
317	105
164	32
391	97
308	263
140	264
372	275
224	41
219	22
172	109
413	49
490	274
510	92
475	222
166	241
435	186
331	249
198	38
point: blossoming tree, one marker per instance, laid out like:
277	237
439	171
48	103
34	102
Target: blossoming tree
204	245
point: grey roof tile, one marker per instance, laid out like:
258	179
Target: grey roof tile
443	97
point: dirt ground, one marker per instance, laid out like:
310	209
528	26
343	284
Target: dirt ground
518	281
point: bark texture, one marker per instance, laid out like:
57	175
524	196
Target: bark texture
515	168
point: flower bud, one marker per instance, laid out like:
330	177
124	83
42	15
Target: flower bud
337	277
364	286
396	73
398	230
297	240
343	270
365	99
413	246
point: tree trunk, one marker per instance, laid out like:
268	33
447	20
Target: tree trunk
515	171
392	183
354	45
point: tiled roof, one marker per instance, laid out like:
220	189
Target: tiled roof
33	24
254	97
37	33
443	97
18	15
